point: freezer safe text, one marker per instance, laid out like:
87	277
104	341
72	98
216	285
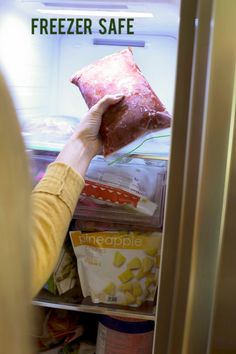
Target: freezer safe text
80	26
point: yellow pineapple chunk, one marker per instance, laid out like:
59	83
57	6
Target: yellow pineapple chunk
140	274
137	289
150	280
151	251
135	263
126	287
119	259
110	289
147	264
126	276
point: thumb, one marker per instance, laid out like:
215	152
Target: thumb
102	105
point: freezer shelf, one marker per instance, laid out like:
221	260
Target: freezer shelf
144	312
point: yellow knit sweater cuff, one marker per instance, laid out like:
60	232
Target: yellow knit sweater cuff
63	181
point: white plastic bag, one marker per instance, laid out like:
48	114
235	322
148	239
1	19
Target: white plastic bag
118	267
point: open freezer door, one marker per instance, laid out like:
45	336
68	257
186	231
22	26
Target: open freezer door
200	225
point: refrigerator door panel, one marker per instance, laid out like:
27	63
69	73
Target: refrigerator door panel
213	187
172	237
198	182
224	319
224	322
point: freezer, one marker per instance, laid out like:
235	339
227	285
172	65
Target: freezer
174	183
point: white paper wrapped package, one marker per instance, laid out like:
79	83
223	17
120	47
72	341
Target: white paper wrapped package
118	267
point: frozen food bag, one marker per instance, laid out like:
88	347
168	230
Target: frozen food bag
59	328
118	267
65	274
140	111
118	186
109	195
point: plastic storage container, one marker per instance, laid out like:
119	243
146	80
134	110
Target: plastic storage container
48	133
131	192
117	335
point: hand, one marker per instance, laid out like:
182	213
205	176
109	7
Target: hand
85	142
88	129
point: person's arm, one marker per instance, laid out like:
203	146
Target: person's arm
55	197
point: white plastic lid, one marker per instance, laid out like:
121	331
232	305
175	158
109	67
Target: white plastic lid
48	132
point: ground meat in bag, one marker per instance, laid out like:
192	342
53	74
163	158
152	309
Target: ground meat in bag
139	112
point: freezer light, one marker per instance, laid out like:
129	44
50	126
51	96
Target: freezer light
125	14
86	5
119	42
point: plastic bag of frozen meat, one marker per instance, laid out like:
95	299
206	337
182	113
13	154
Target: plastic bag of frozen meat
139	112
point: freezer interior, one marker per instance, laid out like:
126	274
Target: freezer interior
38	69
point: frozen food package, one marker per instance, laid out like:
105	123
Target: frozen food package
132	188
76	347
118	267
59	327
65	275
48	132
131	192
139	112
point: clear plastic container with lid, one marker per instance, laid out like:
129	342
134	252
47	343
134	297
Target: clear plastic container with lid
131	192
49	133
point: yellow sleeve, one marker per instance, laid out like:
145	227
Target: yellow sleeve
53	203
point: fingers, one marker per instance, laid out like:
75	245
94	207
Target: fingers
102	105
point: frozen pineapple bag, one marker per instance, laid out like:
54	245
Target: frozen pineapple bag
118	267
